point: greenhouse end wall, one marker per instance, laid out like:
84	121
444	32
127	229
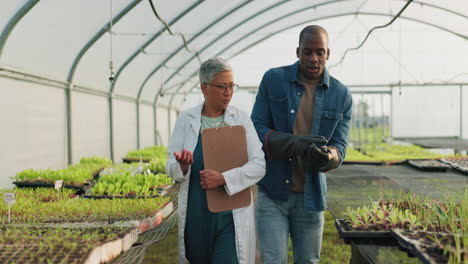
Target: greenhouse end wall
429	111
90	126
34	127
33	133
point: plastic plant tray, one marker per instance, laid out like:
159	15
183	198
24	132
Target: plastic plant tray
134	160
429	165
362	237
41	184
417	247
355	162
163	191
459	164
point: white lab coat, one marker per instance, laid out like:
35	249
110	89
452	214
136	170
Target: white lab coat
185	135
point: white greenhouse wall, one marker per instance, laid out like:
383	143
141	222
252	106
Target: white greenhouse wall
33	133
465	112
173	119
162	126
146	126
426	111
90	115
125	132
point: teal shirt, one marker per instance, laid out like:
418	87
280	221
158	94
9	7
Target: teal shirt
210	122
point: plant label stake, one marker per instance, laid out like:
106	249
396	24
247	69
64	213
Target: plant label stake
58	185
9	199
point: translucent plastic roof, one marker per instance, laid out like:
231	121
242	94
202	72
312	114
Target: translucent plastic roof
69	41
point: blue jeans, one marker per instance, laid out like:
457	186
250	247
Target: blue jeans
275	220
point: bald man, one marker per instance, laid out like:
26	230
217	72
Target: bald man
301	115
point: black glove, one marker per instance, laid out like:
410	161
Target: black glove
318	156
281	145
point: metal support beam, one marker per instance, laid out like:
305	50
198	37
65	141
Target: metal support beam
96	37
127	62
111	126
155	131
199	33
461	111
266	10
149	41
37	79
68	108
196	35
13	21
138	124
232	44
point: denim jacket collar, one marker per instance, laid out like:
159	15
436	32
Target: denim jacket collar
293	75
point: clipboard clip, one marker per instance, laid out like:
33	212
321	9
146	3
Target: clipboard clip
221	124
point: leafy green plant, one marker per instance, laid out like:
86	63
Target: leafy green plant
123	183
148	153
411	211
45	206
54	245
387	153
76	174
157	165
95	160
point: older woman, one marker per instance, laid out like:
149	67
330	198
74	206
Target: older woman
206	237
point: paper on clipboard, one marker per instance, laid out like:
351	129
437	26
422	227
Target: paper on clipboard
225	148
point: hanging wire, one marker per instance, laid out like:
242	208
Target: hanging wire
402	66
368	34
111	61
170	31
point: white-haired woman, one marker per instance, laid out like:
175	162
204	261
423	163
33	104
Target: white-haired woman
206	237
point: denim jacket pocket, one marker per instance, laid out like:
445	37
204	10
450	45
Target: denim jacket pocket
328	122
279	111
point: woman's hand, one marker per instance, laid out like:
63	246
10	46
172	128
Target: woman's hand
185	159
210	179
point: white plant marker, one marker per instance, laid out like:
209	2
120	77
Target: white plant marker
9	199
58	185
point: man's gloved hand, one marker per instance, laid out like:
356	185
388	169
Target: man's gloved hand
281	145
334	158
319	156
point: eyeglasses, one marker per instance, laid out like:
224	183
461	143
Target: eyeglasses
223	87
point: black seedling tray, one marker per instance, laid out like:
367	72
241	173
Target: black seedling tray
162	192
429	165
362	237
413	246
353	162
38	184
132	160
119	197
458	164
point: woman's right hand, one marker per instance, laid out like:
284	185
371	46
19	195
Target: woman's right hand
185	159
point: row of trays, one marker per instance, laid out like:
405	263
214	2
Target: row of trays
459	164
442	165
416	243
84	189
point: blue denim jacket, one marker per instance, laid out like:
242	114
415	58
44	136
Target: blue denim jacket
275	108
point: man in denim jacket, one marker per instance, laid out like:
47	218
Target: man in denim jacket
301	115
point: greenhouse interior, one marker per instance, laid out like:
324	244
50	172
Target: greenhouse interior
92	91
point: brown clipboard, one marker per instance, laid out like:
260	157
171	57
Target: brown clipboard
225	148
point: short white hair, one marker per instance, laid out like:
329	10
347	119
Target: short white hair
211	67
